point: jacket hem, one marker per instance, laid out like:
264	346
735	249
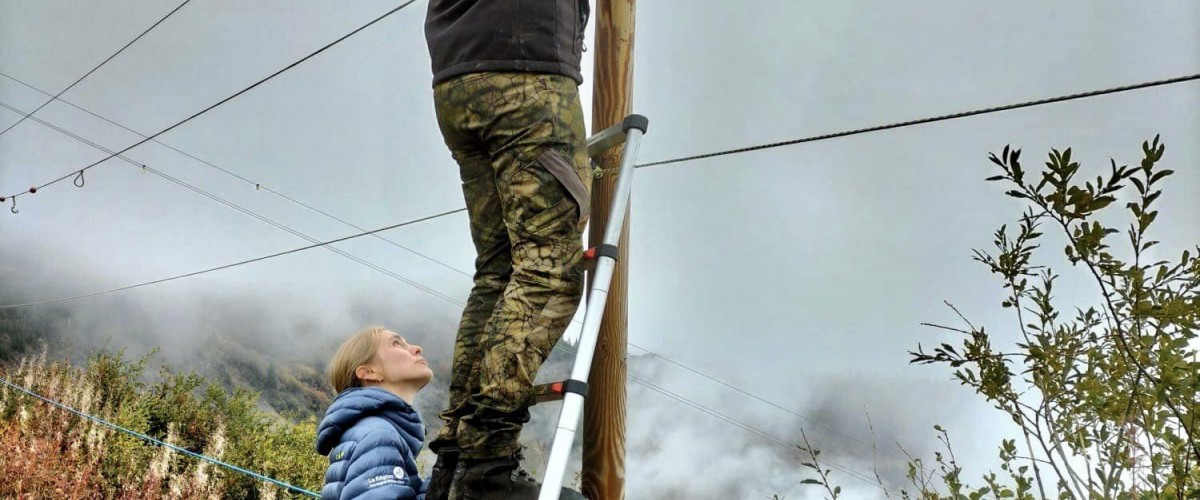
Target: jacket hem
517	66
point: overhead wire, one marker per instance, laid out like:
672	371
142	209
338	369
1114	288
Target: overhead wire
235	264
93	70
964	114
656	388
158	442
921	121
241	209
371	265
650	164
801	140
257	185
218	103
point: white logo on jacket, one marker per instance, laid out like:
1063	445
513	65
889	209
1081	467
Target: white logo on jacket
397	476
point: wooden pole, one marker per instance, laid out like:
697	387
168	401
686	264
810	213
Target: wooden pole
604	409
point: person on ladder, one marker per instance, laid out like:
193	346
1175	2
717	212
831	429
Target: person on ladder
506	79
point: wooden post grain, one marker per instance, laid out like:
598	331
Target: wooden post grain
604	409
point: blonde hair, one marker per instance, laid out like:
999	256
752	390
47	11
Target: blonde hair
353	353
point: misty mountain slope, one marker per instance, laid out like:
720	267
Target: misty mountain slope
277	345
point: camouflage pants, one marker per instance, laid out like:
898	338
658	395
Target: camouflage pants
519	142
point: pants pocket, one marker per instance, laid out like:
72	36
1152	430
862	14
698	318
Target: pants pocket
562	170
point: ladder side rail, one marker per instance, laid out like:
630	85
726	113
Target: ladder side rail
634	128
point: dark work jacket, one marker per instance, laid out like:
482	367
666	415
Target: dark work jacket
537	36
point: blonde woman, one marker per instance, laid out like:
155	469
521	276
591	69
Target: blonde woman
371	432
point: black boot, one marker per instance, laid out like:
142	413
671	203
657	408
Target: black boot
493	479
443	475
499	479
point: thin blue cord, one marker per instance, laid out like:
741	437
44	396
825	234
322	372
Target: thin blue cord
161	443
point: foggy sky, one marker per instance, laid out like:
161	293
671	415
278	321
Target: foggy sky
800	274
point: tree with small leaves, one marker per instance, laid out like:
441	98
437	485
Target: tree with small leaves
1105	399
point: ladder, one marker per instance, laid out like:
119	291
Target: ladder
573	390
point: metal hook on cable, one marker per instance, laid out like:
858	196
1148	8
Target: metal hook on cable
79	179
14	205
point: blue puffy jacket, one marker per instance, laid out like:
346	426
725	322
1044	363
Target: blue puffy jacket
372	438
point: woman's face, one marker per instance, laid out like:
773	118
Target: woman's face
401	363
